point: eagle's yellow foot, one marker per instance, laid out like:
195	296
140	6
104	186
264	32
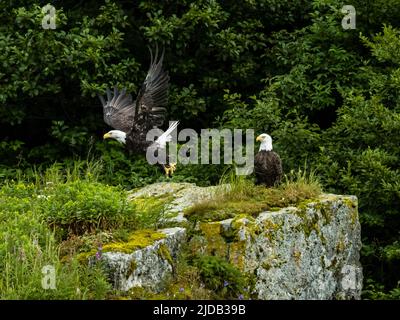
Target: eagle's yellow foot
170	169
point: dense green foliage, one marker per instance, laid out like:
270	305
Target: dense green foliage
81	205
328	96
28	244
55	218
220	276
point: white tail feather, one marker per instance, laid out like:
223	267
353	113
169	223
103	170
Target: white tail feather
166	136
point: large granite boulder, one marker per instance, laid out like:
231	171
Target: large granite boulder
148	266
310	251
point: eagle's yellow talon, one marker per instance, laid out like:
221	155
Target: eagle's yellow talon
166	170
170	169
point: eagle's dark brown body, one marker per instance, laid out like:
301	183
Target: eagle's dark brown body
133	119
136	118
268	168
136	141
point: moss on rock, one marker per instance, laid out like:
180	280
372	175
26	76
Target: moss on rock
164	253
132	266
216	244
137	240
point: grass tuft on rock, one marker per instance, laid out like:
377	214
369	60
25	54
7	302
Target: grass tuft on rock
239	195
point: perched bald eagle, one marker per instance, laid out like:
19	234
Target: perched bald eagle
267	163
133	119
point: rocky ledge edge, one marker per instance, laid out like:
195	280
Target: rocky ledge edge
310	251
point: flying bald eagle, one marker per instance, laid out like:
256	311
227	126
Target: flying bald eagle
267	163
133	119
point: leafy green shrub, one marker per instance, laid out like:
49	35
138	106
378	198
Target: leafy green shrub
27	244
82	206
221	276
121	168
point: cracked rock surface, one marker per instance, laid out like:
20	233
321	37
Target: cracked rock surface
310	251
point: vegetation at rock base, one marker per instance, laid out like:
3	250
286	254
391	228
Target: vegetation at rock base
329	97
32	235
198	277
61	219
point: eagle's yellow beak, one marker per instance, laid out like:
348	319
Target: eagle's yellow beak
259	138
107	135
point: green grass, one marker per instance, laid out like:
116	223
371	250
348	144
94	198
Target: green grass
27	244
85	206
56	216
239	195
49	218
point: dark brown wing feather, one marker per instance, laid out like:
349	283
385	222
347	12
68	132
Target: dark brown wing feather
268	168
152	97
137	118
118	111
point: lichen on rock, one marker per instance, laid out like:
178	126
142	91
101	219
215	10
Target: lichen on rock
306	251
145	260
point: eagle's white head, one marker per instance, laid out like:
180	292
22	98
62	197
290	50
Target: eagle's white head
118	135
266	142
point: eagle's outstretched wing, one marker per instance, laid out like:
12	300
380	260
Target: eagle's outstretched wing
152	97
148	109
118	110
